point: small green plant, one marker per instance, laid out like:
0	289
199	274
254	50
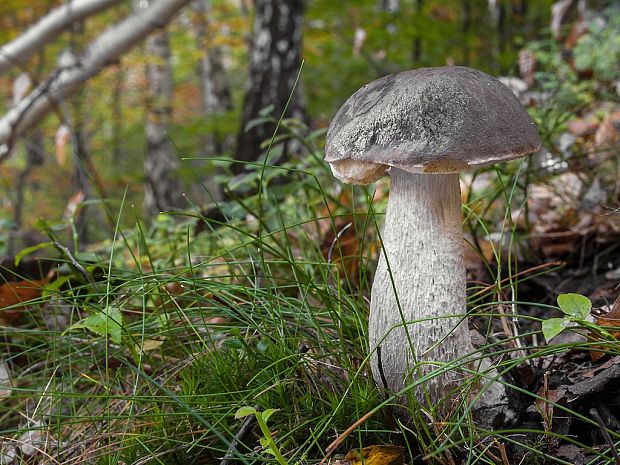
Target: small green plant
266	441
107	322
576	308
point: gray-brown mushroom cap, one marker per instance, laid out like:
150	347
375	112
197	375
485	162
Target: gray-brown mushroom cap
428	120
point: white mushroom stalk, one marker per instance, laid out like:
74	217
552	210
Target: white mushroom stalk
420	280
427	125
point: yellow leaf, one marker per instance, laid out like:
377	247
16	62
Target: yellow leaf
149	344
377	455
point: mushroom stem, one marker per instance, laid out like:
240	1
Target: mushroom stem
423	241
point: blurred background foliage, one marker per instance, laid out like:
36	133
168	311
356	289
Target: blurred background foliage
345	44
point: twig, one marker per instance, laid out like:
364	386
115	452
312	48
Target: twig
246	427
605	433
520	273
502	452
336	239
334	445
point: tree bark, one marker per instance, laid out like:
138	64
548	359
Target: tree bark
216	96
275	59
20	50
465	27
162	188
417	38
64	82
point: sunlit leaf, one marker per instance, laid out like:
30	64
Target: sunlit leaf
575	305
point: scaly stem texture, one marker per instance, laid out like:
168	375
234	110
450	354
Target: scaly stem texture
423	278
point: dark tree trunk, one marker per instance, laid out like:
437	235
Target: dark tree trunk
216	97
416	54
162	187
501	29
275	59
79	143
81	161
390	6
465	27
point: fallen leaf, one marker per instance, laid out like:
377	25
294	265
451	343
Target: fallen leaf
608	133
14	295
592	386
572	453
610	319
149	344
591	373
583	126
32	440
377	455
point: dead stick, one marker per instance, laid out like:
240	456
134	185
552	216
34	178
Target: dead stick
334	445
245	429
520	273
603	428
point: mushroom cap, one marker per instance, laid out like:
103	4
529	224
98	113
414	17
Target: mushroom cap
428	120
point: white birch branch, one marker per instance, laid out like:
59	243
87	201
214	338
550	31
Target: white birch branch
103	51
20	50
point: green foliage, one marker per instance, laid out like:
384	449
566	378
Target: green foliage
599	50
107	323
576	307
266	441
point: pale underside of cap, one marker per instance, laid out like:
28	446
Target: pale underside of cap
428	120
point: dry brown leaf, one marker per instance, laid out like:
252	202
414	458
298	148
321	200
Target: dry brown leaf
377	455
583	126
149	344
15	295
608	320
608	134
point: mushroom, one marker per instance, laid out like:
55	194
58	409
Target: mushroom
426	126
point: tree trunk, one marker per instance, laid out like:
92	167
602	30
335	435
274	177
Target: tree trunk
215	95
275	59
81	161
162	187
465	27
79	142
417	38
